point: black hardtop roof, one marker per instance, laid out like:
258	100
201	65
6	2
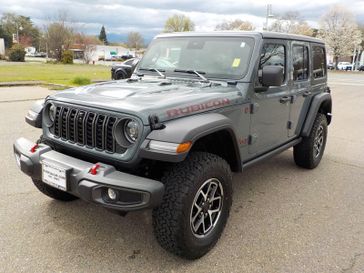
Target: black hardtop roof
262	34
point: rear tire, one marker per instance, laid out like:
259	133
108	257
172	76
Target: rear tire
195	206
308	153
53	192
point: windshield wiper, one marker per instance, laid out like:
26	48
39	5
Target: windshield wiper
190	71
155	70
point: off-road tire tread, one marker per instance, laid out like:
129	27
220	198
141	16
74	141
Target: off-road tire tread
178	180
303	152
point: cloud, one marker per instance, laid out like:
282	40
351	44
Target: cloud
148	17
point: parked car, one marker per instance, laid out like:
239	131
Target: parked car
124	70
344	66
127	57
331	66
170	138
41	54
361	68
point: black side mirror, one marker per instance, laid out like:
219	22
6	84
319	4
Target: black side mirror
272	75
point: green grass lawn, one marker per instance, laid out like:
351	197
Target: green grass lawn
51	73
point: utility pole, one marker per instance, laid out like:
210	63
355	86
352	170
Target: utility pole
268	15
354	58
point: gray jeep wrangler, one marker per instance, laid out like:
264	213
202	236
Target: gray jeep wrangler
198	107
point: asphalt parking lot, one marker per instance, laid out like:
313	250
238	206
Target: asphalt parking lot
283	218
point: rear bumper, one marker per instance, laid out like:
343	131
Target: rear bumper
134	192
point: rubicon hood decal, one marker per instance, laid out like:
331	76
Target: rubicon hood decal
215	103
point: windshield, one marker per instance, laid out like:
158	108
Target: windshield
214	57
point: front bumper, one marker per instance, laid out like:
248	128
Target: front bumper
134	192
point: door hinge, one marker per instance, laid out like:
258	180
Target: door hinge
252	139
254	108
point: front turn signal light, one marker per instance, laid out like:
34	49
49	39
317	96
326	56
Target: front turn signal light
184	147
169	147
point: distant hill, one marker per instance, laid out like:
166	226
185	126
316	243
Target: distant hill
122	38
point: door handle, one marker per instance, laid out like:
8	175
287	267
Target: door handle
284	99
306	94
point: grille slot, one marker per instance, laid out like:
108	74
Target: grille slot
56	121
110	143
89	129
64	123
86	128
71	125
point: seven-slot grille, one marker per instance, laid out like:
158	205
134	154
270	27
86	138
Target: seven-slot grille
85	128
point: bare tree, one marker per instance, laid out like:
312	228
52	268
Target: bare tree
291	22
135	40
179	23
340	32
59	34
236	25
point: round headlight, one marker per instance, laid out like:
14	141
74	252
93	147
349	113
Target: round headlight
52	112
131	130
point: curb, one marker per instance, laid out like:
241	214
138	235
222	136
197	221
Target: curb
21	83
32	83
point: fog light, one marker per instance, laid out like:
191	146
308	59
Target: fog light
111	194
17	159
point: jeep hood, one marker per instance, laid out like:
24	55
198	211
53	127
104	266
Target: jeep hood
164	98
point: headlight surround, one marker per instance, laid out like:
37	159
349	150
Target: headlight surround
127	132
131	130
49	114
52	112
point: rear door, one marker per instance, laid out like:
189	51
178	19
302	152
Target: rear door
300	86
319	69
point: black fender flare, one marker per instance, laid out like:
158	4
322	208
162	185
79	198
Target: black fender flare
34	115
321	101
186	129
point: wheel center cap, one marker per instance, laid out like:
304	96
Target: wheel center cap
205	207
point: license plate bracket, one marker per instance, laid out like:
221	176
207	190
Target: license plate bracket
55	175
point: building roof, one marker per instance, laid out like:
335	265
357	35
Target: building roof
262	34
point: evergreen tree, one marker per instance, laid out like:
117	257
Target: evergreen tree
102	36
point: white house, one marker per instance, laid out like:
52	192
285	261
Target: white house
2	46
104	52
30	51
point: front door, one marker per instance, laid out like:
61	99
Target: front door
270	106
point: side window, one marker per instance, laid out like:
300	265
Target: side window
272	54
319	62
300	63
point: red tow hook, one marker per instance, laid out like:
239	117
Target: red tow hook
94	168
34	148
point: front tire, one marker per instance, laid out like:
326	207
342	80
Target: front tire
195	206
120	75
53	192
308	153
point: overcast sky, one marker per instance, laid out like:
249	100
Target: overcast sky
148	17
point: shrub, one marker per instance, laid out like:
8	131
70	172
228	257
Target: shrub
81	81
52	62
17	53
67	57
